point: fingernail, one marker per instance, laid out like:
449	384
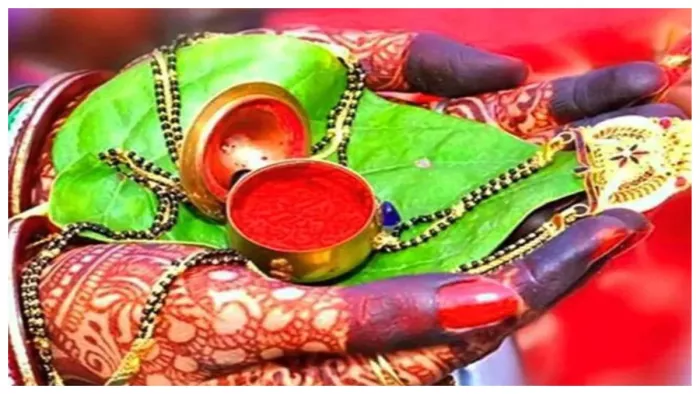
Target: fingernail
609	240
473	303
635	221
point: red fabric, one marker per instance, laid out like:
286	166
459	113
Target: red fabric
631	323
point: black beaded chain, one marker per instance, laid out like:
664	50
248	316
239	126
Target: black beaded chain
167	91
34	315
155	302
520	248
529	242
342	115
442	219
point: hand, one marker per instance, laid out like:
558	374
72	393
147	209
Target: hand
229	343
229	325
485	87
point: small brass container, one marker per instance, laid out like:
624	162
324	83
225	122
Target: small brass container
315	264
243	128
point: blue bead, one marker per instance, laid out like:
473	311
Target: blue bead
390	216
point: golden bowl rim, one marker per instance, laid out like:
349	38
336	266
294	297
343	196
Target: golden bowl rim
286	162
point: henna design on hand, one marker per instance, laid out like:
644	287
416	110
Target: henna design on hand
216	318
231	325
524	112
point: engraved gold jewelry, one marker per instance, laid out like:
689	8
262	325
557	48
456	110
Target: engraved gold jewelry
635	162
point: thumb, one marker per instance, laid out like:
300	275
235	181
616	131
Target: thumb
424	310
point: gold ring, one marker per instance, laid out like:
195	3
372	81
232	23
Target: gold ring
385	373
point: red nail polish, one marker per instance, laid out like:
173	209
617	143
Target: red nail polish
474	303
607	241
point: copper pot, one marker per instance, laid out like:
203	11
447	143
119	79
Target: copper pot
243	128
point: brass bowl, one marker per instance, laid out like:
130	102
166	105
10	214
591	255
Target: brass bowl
243	128
305	266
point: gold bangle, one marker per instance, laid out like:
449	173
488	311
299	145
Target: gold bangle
385	373
17	346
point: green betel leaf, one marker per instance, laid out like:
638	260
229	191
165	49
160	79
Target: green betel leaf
422	161
128	206
417	159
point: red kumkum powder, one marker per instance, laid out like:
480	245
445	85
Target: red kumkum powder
301	206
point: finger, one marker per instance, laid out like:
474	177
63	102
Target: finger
532	110
548	273
383	316
443	67
423	310
428	63
604	90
